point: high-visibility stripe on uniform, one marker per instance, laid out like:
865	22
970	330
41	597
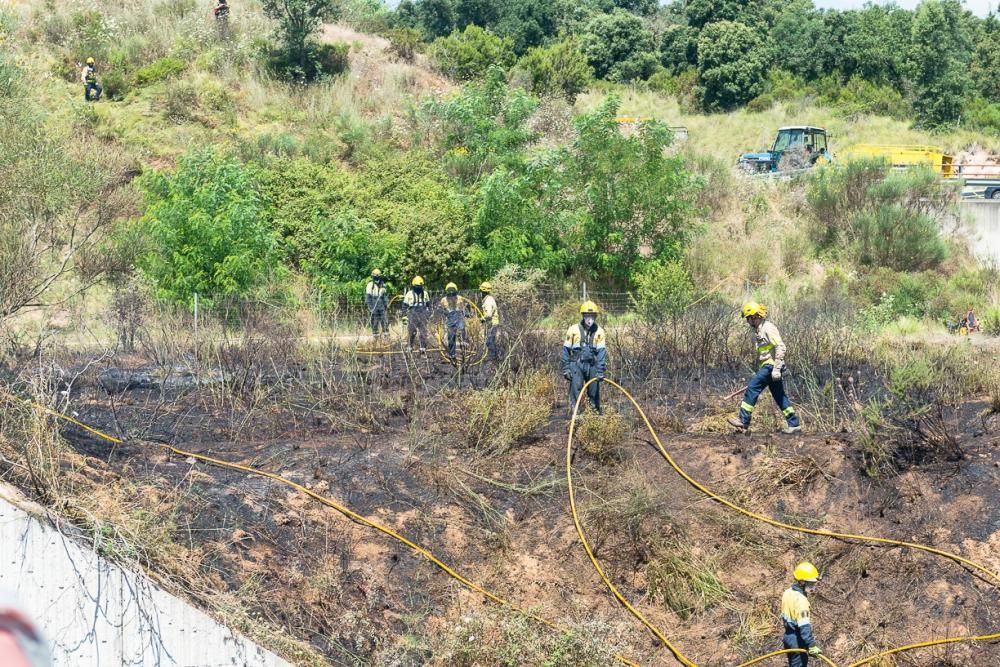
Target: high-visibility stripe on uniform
746	406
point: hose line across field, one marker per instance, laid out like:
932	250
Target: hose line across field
471	585
684	660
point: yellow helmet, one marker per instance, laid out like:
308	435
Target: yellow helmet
753	308
90	61
806	571
589	307
376	273
417	281
451	287
485	287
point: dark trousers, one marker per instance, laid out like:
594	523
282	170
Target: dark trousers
94	88
491	341
456	335
579	373
796	659
379	320
416	327
762	380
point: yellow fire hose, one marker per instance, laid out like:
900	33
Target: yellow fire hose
354	516
430	557
757	517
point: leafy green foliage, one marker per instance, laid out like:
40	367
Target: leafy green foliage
621	197
883	218
678	48
467	55
731	65
938	62
561	69
207	232
483	126
300	58
663	289
620	46
164	68
403	43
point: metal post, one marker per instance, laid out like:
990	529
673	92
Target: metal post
196	319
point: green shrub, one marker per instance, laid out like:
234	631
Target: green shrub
317	62
685	582
116	84
467	55
404	43
663	289
164	68
207	230
760	104
860	96
990	321
880	217
561	69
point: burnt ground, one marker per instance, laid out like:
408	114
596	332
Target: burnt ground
501	518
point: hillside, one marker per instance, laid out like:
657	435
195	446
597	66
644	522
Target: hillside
183	266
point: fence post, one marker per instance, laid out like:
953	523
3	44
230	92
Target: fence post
196	323
584	291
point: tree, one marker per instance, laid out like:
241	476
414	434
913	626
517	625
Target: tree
800	39
875	42
297	21
561	69
732	65
621	199
702	12
620	46
938	62
436	17
467	55
985	66
678	47
207	230
527	23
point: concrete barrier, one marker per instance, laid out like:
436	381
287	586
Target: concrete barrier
982	220
96	613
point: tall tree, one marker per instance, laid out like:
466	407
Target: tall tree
938	62
732	65
297	21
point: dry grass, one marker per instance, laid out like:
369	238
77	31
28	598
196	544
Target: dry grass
686	581
501	417
603	436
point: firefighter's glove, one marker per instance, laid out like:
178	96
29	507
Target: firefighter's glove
776	372
814	651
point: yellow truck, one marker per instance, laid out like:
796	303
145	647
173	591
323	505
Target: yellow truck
901	156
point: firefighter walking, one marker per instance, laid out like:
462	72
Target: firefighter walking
584	356
91	89
771	364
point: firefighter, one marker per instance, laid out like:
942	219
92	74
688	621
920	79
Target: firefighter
221	12
795	615
490	320
771	360
416	309
377	301
455	312
584	356
91	89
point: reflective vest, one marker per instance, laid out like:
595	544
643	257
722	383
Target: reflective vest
420	302
89	75
770	347
491	315
795	617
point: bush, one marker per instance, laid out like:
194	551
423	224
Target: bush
299	58
560	69
760	104
164	68
880	217
317	62
860	96
403	43
502	417
663	289
467	55
116	84
207	230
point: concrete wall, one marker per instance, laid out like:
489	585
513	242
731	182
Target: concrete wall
982	218
97	614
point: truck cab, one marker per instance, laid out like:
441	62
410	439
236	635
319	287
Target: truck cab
808	144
